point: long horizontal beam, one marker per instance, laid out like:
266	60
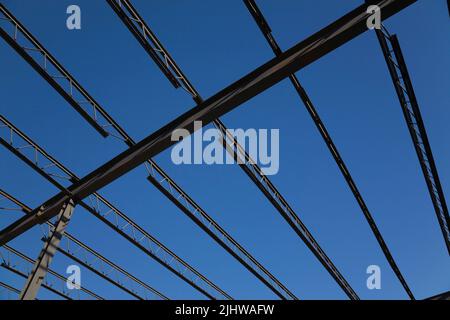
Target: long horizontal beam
267	32
127	12
301	55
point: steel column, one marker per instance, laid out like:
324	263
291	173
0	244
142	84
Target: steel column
103	210
34	281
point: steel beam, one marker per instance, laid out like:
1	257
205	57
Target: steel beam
301	55
126	10
42	264
86	256
103	210
161	180
267	32
413	117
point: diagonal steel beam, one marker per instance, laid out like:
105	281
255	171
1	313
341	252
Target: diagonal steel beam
413	117
299	56
128	12
267	32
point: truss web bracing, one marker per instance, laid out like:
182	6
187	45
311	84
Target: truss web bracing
84	191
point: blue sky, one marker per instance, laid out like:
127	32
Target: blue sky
216	43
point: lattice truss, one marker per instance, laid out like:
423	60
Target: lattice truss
72	187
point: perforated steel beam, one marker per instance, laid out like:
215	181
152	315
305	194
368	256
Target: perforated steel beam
306	52
413	117
267	32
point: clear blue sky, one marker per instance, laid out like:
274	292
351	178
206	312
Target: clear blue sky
216	43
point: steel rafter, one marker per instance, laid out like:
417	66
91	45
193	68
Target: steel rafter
267	32
86	256
299	56
184	202
22	265
127	12
39	160
413	117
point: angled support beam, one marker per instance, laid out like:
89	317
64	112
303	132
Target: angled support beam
413	117
306	52
42	264
124	8
267	32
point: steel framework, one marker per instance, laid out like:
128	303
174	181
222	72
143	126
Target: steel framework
76	190
304	53
156	175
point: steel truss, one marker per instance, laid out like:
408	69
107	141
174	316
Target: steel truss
267	32
22	265
413	117
81	253
170	189
149	41
43	163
